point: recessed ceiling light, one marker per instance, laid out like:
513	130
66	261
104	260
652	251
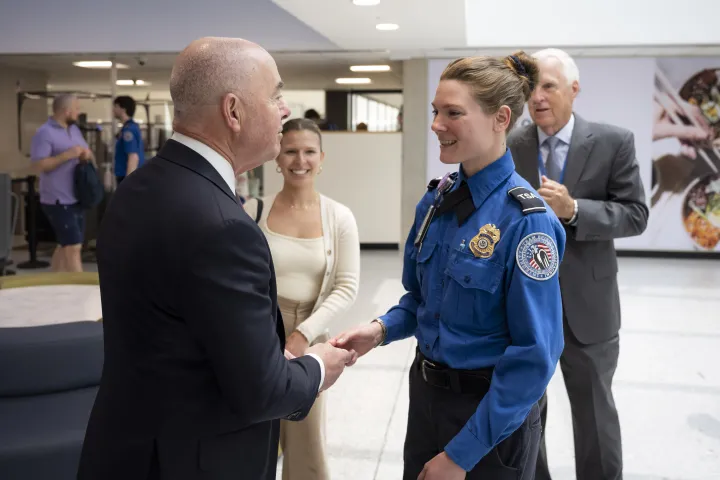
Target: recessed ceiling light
349	81
97	64
370	68
366	3
387	26
130	83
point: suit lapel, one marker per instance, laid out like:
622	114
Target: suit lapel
527	156
581	144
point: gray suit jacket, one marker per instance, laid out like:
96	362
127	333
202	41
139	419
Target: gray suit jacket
602	174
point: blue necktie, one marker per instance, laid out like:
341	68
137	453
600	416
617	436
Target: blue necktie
553	163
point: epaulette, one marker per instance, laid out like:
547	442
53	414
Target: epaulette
529	202
433	184
436	181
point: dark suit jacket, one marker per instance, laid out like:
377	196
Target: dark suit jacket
194	379
602	174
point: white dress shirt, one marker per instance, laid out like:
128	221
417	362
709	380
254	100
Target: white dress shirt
561	152
225	169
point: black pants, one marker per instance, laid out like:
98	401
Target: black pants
436	415
588	372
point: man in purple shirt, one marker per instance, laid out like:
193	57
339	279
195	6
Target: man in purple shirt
56	149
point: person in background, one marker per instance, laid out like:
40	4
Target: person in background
483	296
588	174
129	149
314	245
56	149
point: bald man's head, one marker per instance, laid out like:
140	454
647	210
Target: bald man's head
211	67
226	92
66	107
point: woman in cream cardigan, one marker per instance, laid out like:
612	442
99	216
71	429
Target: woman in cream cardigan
316	253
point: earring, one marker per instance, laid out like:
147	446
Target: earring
320	170
278	169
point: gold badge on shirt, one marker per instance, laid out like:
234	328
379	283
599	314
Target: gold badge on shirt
483	244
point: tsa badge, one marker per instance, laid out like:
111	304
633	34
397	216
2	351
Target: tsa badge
483	244
537	256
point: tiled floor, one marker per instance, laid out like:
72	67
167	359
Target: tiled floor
667	385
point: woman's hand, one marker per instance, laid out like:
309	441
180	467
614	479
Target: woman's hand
361	339
296	344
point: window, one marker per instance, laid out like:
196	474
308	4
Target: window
378	111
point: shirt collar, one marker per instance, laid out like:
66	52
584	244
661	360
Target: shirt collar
218	162
55	124
484	182
564	135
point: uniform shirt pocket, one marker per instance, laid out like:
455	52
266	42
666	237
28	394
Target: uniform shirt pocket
471	297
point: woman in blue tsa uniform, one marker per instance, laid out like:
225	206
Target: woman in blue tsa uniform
483	296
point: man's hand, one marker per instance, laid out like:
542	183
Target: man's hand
297	344
334	359
86	155
361	339
558	197
73	152
442	468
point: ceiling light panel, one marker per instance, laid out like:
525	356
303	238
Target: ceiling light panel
353	81
370	68
387	27
97	64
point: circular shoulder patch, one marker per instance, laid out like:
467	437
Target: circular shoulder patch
128	136
537	256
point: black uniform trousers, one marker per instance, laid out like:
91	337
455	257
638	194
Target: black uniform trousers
437	414
588	372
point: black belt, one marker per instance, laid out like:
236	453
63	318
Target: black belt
457	381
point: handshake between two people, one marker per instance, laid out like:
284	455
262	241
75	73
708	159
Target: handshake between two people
339	352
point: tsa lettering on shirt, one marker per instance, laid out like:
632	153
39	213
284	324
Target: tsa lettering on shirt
484	293
129	140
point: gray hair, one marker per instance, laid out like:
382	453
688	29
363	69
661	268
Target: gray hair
207	70
570	69
63	102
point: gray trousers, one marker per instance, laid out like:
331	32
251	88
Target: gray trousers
588	371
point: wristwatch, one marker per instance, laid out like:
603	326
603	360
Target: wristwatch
574	218
384	331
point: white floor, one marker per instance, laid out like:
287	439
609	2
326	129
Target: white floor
667	385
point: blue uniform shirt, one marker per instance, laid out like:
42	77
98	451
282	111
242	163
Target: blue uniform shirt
483	294
129	141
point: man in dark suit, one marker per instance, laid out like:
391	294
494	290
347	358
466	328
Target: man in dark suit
588	174
195	378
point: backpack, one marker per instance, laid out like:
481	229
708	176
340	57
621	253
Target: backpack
89	189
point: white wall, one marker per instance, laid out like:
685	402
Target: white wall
587	24
363	172
301	100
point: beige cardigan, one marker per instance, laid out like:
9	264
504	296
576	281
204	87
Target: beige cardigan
340	284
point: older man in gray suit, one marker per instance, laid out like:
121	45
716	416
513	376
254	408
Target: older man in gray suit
588	174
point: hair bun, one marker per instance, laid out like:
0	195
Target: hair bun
525	67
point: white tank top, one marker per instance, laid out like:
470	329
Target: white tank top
299	265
